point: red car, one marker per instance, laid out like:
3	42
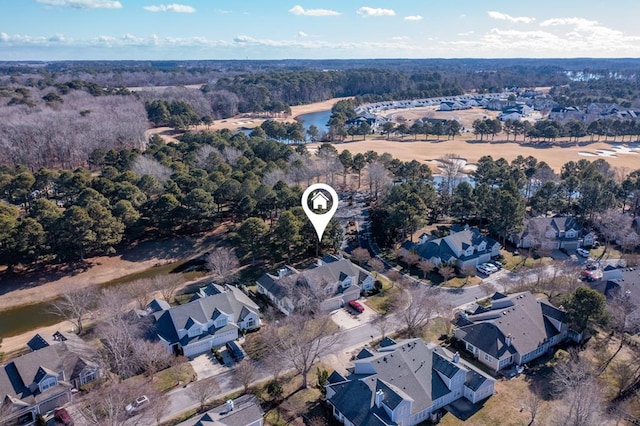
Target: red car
356	306
62	417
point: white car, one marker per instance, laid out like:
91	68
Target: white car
583	252
490	267
137	405
483	269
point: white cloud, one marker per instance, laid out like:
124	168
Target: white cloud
174	7
4	37
84	4
400	38
301	11
413	18
578	22
302	34
468	33
504	17
366	11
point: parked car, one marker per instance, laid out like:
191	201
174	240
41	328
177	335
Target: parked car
583	252
356	306
591	275
137	405
235	350
483	269
497	264
62	417
491	268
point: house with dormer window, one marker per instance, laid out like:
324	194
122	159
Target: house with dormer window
213	317
403	384
550	233
327	285
41	380
513	330
462	247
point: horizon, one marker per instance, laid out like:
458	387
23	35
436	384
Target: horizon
119	30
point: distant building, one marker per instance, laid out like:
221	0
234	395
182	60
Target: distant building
242	411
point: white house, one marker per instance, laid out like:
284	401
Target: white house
403	384
329	284
214	317
515	329
549	233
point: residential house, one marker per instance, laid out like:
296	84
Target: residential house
403	384
464	246
550	233
42	380
212	318
515	329
331	283
242	411
515	113
622	282
567	114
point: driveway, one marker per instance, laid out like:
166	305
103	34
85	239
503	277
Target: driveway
206	365
347	318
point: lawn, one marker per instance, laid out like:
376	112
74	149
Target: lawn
379	302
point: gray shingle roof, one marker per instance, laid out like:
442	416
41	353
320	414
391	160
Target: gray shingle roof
232	302
524	321
246	410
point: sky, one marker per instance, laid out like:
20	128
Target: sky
320	29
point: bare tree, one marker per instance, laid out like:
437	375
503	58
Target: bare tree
376	264
167	285
381	322
231	155
533	402
452	169
300	339
246	372
410	258
621	320
622	375
75	305
140	291
423	304
152	356
576	385
426	266
447	272
105	405
159	407
202	391
468	271
360	255
145	165
486	288
222	261
378	179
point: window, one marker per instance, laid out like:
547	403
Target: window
488	358
471	348
571	234
87	376
251	323
47	383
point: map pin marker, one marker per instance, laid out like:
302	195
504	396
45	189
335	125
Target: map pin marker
319	214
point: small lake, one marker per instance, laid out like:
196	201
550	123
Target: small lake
29	317
318	119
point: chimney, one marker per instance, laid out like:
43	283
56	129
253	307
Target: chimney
282	272
456	357
379	398
229	405
508	340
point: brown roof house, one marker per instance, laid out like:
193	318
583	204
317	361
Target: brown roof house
403	384
42	380
515	329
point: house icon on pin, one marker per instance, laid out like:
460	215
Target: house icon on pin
319	201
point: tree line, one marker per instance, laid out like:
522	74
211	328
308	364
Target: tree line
550	130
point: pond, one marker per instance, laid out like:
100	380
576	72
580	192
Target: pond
29	317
